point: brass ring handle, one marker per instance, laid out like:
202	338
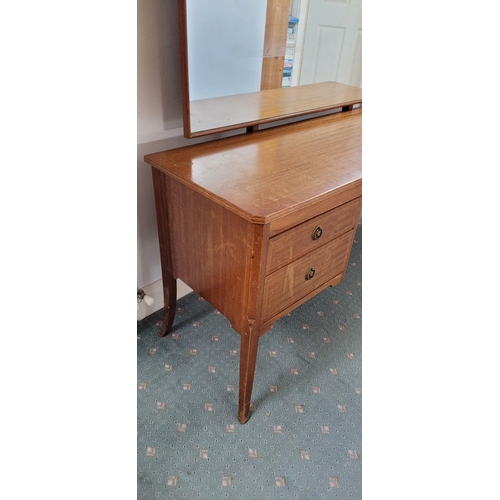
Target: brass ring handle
310	273
317	233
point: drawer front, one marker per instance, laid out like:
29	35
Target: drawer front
288	284
292	244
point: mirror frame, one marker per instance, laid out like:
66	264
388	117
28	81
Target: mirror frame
256	108
183	50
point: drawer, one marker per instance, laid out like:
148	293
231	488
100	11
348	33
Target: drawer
292	282
306	237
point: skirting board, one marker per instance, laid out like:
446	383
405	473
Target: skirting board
155	290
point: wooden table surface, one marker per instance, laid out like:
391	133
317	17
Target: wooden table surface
265	175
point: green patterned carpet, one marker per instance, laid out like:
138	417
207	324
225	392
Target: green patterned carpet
303	439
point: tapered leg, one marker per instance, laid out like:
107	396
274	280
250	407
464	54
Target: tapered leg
170	303
169	282
248	357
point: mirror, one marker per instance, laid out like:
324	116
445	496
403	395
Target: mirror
248	62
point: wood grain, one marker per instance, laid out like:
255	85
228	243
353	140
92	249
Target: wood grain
292	244
319	205
212	250
289	284
208	116
184	67
277	14
272	72
235	216
168	279
269	174
332	282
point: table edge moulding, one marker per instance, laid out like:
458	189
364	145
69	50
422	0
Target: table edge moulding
259	223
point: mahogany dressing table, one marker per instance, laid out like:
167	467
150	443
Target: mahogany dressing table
259	223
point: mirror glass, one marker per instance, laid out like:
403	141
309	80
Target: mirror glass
234	52
225	42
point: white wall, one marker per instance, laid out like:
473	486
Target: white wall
159	125
159	115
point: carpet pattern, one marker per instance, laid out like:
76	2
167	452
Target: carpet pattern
303	439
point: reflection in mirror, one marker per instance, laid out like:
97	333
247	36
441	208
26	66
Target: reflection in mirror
225	40
233	53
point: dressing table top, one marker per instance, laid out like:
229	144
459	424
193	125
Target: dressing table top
267	175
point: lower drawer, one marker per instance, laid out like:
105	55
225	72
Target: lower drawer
287	285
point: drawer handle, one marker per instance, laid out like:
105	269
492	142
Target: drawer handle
317	233
310	273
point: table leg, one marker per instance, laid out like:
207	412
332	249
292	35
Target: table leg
248	357
170	303
169	282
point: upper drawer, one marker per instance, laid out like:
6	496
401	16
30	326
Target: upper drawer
292	244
